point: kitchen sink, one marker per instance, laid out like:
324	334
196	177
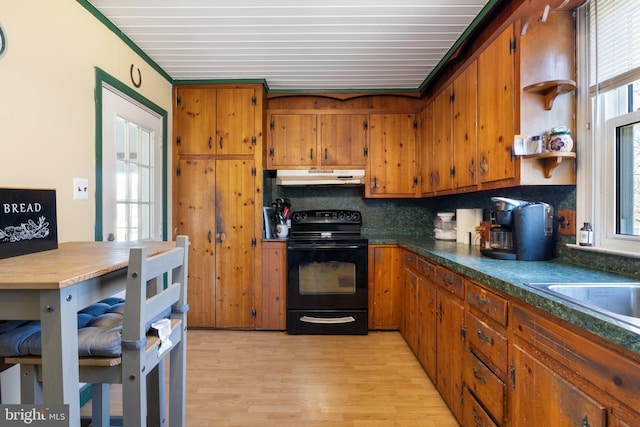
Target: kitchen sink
618	300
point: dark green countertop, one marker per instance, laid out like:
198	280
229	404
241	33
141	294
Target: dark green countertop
510	277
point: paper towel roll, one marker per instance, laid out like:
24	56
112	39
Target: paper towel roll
466	222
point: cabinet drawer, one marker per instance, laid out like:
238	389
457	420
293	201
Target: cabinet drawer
426	268
487	302
606	368
488	343
485	385
452	282
409	260
474	414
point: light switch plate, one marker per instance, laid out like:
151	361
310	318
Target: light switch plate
80	189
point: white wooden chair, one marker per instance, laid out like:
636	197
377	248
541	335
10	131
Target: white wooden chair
141	366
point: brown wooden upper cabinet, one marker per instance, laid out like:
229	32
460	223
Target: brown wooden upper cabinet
449	137
496	103
215	120
316	140
392	156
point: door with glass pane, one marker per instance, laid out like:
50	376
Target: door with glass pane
131	170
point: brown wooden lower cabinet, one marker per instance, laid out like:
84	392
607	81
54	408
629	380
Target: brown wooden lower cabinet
274	285
583	380
384	287
514	364
432	324
541	397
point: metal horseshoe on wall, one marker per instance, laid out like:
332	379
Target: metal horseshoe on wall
137	85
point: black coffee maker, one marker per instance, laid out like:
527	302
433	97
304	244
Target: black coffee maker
520	230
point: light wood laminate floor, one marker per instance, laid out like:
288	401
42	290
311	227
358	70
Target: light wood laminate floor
265	378
247	378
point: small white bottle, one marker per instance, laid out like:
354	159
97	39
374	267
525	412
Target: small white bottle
586	235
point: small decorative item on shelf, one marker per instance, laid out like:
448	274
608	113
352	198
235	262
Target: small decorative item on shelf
560	139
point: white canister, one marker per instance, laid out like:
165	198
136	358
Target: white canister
282	231
560	139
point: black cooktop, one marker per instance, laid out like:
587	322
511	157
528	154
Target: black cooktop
325	224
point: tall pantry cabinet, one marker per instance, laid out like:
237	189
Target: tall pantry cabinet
217	200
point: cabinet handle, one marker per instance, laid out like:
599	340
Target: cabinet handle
221	143
484	338
326	154
484	165
209	236
220	237
476	421
482	300
472	168
311	153
479	377
210	141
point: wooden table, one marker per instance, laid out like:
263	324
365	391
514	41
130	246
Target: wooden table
52	286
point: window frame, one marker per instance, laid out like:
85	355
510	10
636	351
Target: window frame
596	190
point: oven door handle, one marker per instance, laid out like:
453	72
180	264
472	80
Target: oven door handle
327	320
326	246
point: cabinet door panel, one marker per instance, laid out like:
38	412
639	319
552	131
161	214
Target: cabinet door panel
196	121
426	141
465	138
384	288
450	348
235	117
196	219
543	398
427	326
293	140
274	278
235	253
343	139
443	155
392	155
496	104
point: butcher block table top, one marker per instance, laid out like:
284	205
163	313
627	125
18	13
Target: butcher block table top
71	263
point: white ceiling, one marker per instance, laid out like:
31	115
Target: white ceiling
296	44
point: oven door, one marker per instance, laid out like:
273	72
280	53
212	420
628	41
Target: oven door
327	275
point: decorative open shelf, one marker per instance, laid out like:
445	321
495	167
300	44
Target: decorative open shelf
551	89
550	160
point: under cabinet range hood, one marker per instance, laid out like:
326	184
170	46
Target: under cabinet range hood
320	177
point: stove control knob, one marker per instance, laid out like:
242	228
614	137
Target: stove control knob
297	217
355	216
341	215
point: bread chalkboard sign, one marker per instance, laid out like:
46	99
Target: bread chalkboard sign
27	221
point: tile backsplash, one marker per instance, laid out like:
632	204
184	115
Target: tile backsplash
416	216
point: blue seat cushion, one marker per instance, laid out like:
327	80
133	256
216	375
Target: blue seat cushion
99	331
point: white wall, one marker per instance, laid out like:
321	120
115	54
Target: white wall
47	110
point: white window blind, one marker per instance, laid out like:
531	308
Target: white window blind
616	47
